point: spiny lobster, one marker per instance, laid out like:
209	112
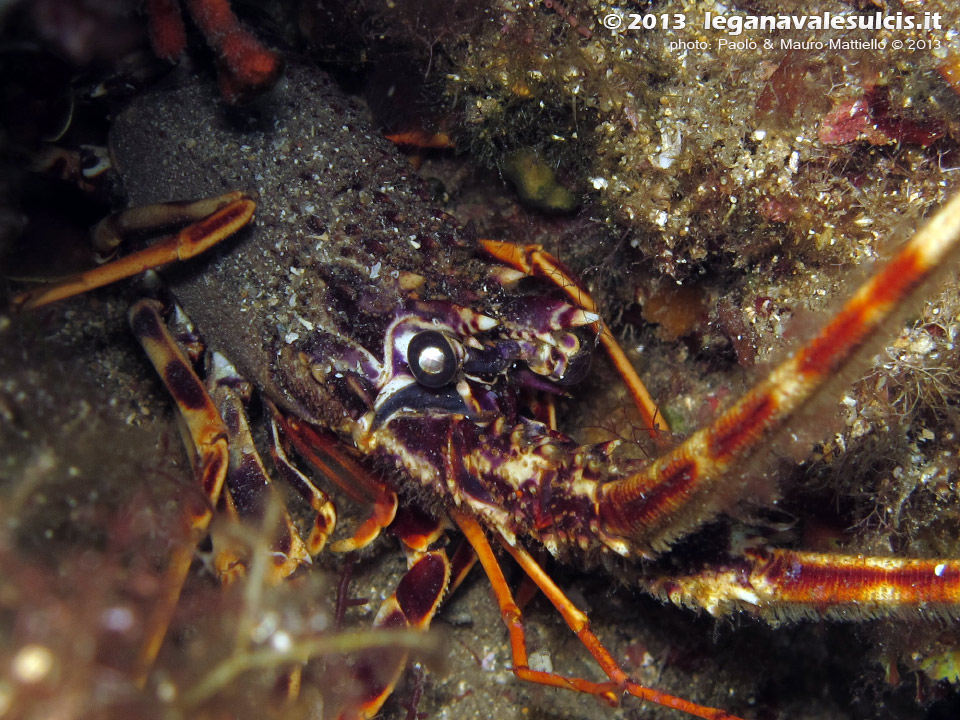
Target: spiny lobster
355	309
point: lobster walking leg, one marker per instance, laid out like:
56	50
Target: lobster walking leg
412	605
209	438
619	681
321	451
325	519
214	219
248	482
418	594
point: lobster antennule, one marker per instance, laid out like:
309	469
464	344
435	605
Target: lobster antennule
683	489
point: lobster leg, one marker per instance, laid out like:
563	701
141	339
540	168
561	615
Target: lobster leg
416	142
418	594
89	168
534	260
168	35
213	220
208	435
323	452
412	605
223	454
419	531
619	682
246	68
325	519
421	590
248	482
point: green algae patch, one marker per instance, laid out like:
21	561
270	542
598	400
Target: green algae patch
536	183
943	666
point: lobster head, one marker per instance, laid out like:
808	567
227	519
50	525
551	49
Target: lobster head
440	359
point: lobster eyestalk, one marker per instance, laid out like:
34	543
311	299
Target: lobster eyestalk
667	499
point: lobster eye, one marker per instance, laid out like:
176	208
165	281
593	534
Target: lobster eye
432	359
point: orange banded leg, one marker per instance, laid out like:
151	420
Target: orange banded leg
411	606
419	531
417	141
208	436
243	488
325	454
215	219
609	691
421	139
325	519
534	260
645	512
419	593
248	483
791	585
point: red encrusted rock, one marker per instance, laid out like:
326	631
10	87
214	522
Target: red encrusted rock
845	122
